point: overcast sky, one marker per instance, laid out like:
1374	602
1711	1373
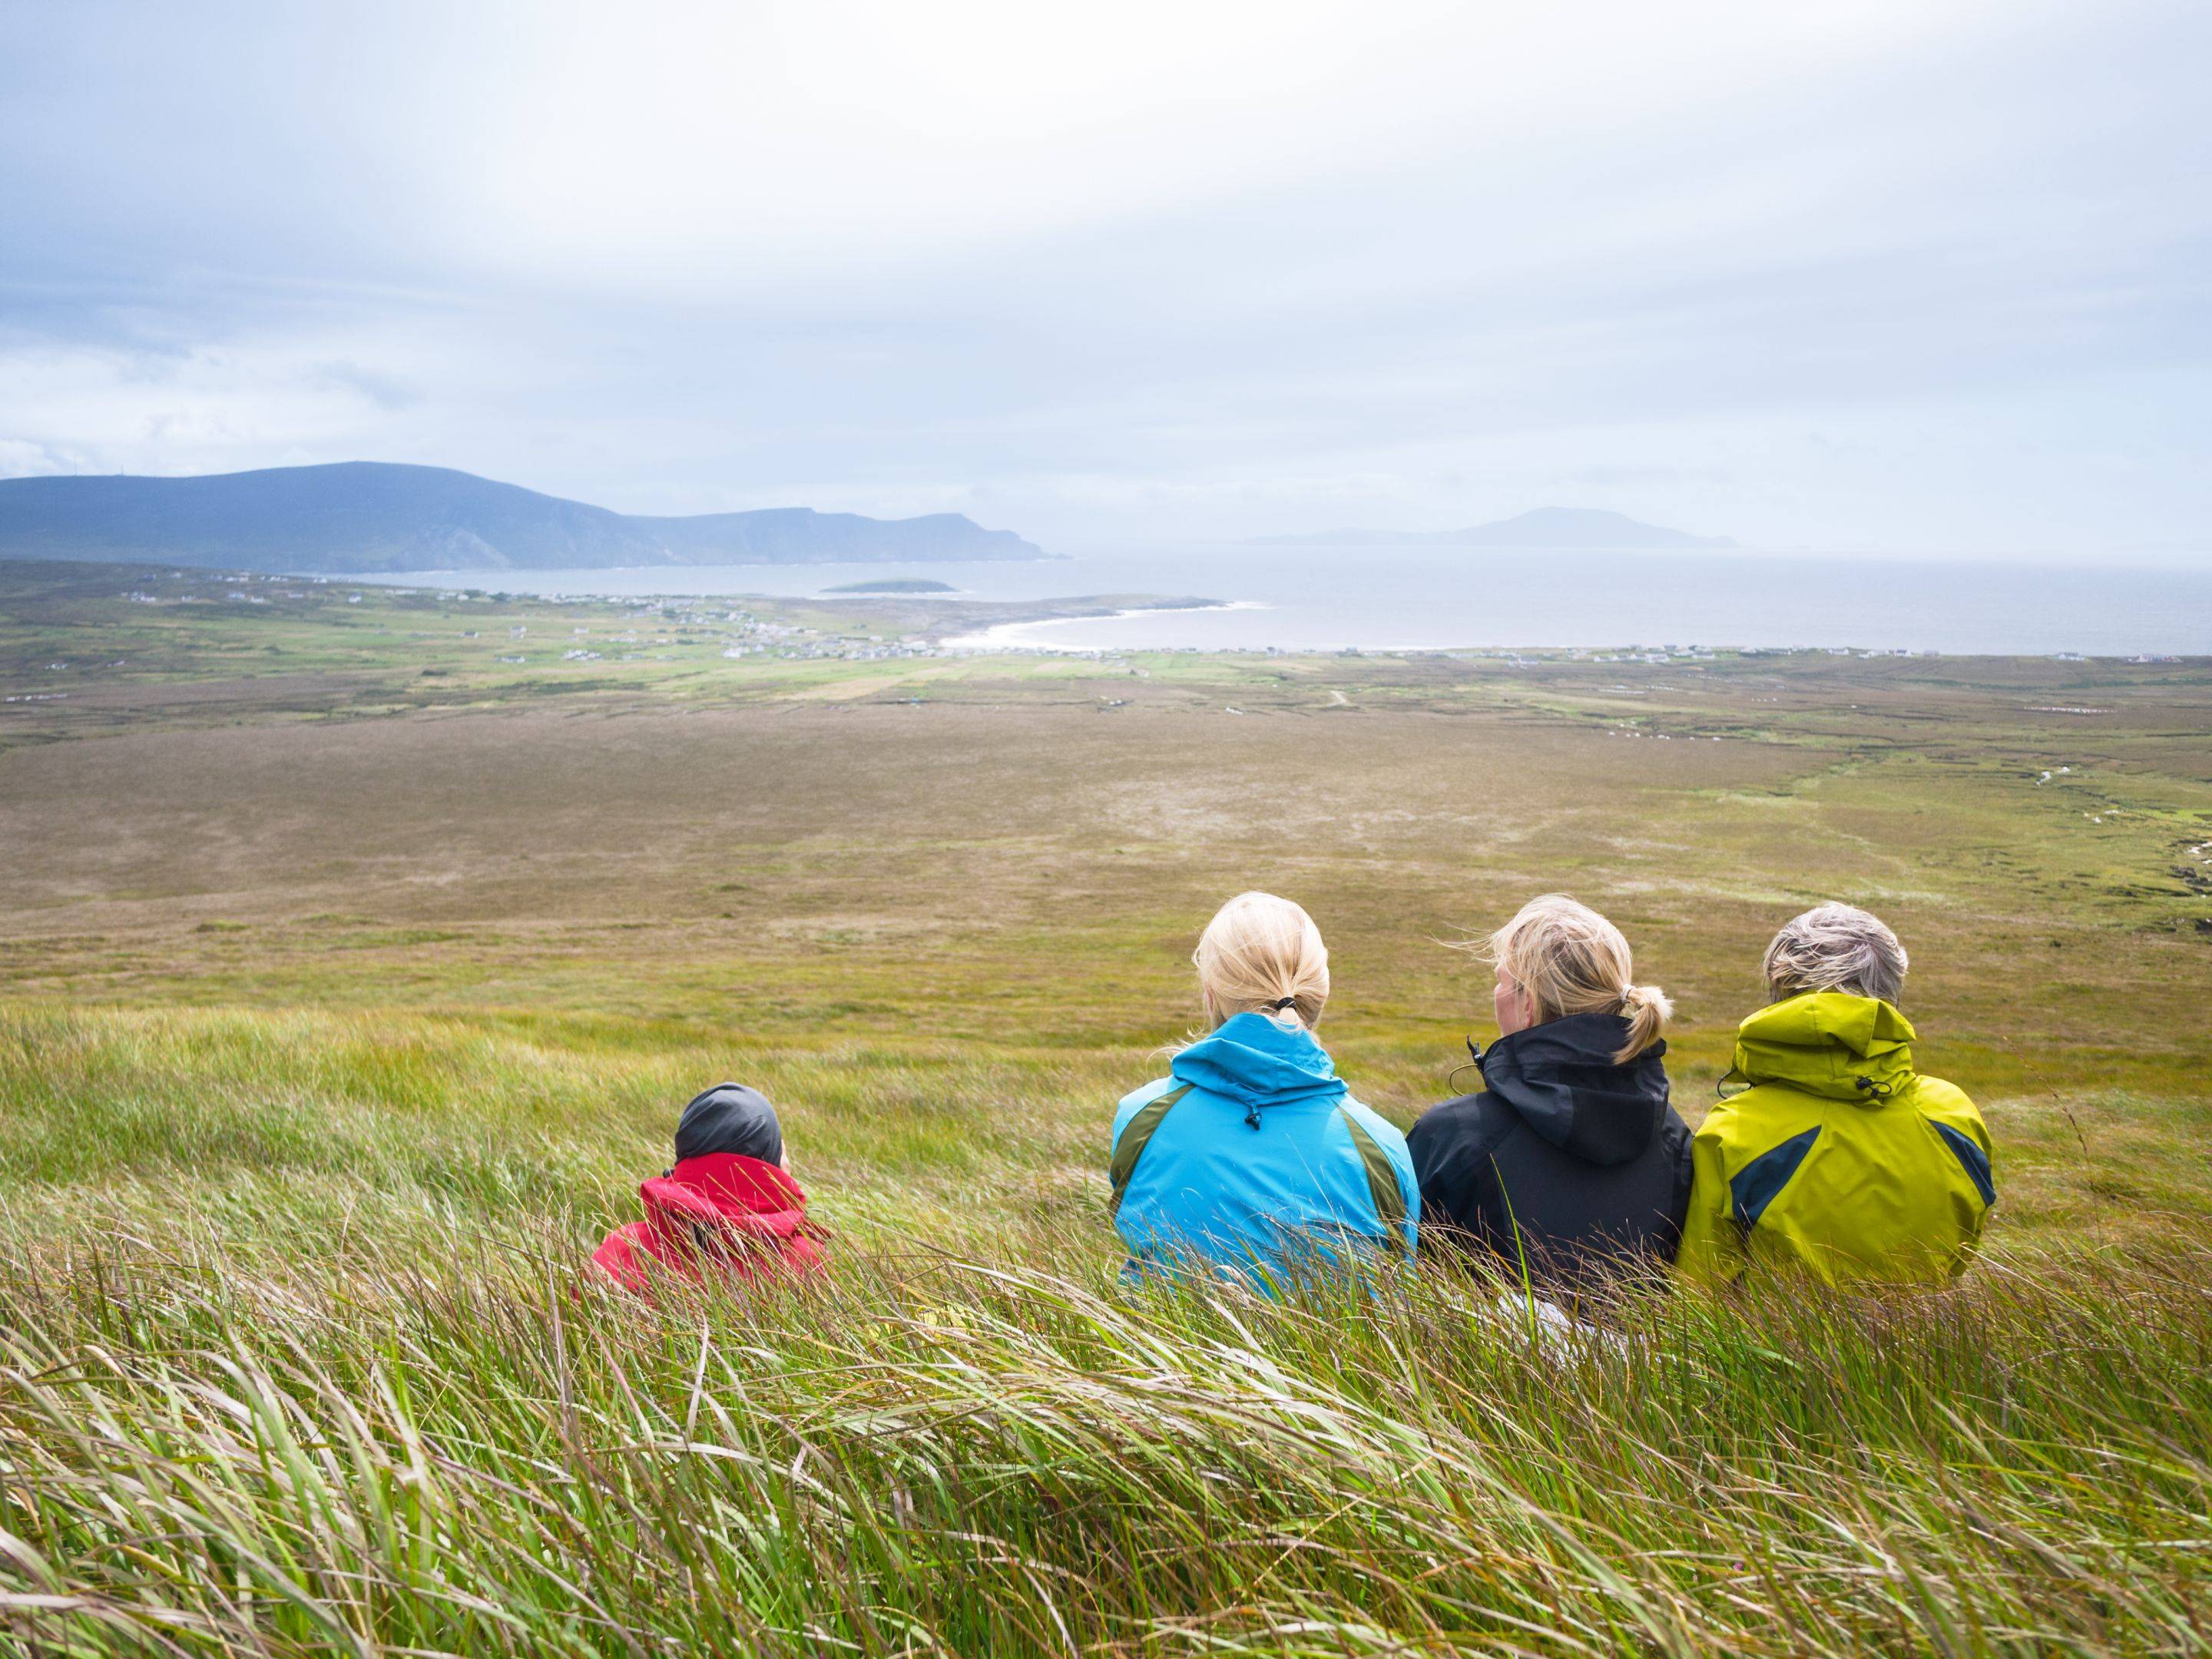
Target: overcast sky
1893	274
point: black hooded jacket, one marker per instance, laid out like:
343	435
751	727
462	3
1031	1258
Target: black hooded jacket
1567	1165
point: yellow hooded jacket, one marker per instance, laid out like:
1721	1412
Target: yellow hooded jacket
1840	1159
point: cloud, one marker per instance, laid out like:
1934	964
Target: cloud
384	391
22	458
1146	271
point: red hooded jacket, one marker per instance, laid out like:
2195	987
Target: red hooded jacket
723	1213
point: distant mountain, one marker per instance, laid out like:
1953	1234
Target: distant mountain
372	516
1546	527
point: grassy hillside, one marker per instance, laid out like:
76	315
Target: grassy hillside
351	978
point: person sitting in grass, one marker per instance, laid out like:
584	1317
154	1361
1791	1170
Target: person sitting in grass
1840	1160
1569	1165
728	1210
1250	1158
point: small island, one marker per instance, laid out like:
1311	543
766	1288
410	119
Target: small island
901	586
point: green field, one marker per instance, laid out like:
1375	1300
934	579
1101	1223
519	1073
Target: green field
352	974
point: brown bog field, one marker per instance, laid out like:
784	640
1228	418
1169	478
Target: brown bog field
351	972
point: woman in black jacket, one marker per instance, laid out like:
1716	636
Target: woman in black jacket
1568	1166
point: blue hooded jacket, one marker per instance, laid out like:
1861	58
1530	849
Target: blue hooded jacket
1256	1169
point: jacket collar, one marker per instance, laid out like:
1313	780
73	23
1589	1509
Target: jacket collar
1560	1077
1831	1044
1260	1062
724	1193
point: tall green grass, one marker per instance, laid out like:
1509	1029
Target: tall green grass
454	1447
298	1355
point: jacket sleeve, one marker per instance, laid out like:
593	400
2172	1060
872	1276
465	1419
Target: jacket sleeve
1948	1107
616	1258
1712	1251
1409	1191
1129	1106
1450	1153
1980	1131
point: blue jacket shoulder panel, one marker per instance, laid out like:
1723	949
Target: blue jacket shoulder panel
1134	1101
1392	1139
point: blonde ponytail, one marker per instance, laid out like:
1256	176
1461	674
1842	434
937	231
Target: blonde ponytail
1647	1009
1263	955
1571	960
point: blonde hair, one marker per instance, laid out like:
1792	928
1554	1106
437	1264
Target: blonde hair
1836	947
1259	951
1571	960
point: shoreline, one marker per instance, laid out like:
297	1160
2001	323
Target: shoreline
1003	636
1315	601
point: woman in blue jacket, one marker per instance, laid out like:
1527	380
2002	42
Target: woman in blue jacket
1251	1158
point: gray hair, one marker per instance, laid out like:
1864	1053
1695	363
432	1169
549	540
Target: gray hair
1836	947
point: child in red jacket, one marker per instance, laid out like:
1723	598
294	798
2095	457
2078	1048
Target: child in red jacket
728	1209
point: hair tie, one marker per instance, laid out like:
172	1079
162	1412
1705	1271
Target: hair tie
1281	1003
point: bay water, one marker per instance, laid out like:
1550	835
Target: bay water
1316	598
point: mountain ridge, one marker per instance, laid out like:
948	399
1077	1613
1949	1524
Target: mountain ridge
366	517
1553	527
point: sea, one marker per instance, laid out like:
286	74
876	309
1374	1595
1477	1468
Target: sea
1424	598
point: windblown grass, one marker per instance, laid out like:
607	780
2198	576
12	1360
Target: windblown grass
300	1358
449	1449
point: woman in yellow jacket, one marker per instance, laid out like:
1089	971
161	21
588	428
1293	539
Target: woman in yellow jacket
1839	1160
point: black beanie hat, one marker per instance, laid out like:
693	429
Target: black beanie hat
730	1118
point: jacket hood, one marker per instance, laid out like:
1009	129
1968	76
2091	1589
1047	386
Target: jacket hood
1260	1062
724	1197
1828	1043
1561	1079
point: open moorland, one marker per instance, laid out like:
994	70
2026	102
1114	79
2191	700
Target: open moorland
357	947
